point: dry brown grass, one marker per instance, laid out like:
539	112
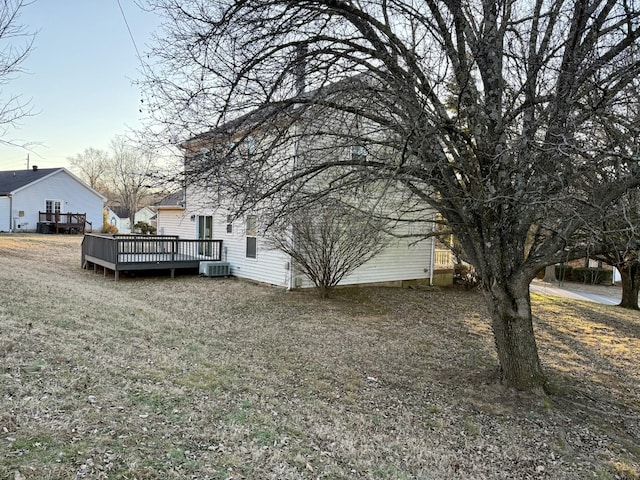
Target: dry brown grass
222	379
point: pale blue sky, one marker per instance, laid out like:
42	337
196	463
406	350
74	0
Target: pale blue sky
79	78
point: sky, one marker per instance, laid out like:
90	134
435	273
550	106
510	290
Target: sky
78	78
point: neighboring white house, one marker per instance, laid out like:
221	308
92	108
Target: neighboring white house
113	218
123	224
145	214
171	216
26	193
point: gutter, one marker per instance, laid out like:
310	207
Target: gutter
296	148
433	250
291	285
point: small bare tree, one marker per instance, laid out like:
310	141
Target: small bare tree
92	166
127	174
329	241
131	175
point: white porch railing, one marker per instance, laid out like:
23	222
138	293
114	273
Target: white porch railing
443	258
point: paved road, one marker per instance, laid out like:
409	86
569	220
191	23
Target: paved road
565	291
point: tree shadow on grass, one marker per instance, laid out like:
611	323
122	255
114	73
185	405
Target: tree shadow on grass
590	354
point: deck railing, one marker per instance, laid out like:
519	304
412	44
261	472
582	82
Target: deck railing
442	258
152	249
66	221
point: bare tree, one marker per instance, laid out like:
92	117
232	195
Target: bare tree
92	166
488	109
628	264
329	241
16	44
130	175
617	231
620	232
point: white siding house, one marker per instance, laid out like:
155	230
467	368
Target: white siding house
145	214
205	214
25	193
122	224
190	216
172	218
195	217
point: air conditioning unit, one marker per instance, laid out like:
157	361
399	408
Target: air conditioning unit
214	269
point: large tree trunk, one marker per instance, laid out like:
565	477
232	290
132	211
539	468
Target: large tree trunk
630	279
512	325
550	274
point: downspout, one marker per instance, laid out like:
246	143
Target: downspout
291	285
433	252
296	147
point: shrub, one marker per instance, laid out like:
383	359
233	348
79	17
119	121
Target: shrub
331	241
593	276
110	229
564	272
465	275
106	226
145	228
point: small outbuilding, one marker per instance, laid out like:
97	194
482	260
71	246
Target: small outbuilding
48	200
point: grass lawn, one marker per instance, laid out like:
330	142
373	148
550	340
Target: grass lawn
203	378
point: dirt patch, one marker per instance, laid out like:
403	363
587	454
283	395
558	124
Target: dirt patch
208	378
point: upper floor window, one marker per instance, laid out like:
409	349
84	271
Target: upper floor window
358	153
251	145
229	223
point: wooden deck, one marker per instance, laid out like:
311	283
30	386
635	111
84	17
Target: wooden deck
49	222
146	252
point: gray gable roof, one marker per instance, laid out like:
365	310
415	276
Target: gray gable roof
175	199
12	180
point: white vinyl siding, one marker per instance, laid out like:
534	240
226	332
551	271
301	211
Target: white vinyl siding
398	261
270	266
5	214
174	221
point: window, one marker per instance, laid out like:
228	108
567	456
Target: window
53	207
250	232
358	153
229	224
251	145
